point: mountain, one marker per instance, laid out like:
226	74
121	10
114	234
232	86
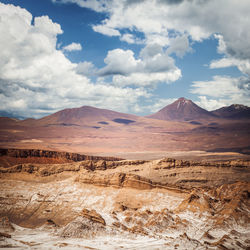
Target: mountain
234	111
4	121
87	129
182	110
86	115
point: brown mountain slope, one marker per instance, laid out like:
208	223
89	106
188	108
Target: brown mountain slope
84	115
234	111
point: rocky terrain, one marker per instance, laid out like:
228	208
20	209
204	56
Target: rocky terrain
105	203
11	156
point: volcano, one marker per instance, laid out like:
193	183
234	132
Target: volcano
182	110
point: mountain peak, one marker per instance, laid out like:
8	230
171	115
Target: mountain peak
182	110
183	99
234	111
85	115
239	107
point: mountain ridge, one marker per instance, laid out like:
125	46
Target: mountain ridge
234	111
180	110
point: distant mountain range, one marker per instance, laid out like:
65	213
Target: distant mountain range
180	126
185	110
180	110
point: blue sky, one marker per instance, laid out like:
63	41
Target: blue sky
129	56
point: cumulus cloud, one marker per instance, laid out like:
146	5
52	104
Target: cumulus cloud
120	62
151	67
37	79
179	45
156	19
174	25
86	68
73	47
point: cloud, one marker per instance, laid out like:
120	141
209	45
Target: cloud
96	5
179	45
171	27
146	79
218	87
169	23
120	62
37	79
129	38
73	47
105	30
86	68
153	66
154	105
222	91
211	104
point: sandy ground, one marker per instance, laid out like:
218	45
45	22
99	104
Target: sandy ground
184	155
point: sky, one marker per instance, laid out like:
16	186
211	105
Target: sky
131	56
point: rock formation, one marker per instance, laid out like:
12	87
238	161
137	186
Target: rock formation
168	203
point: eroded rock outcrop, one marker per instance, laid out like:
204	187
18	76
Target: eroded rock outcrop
25	153
225	204
87	225
117	180
93	216
5	225
166	173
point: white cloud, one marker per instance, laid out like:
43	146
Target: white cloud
173	26
211	104
222	91
242	64
154	105
223	63
129	38
218	87
153	66
232	58
105	30
86	68
169	23
160	103
179	45
119	62
96	5
147	79
73	47
37	79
